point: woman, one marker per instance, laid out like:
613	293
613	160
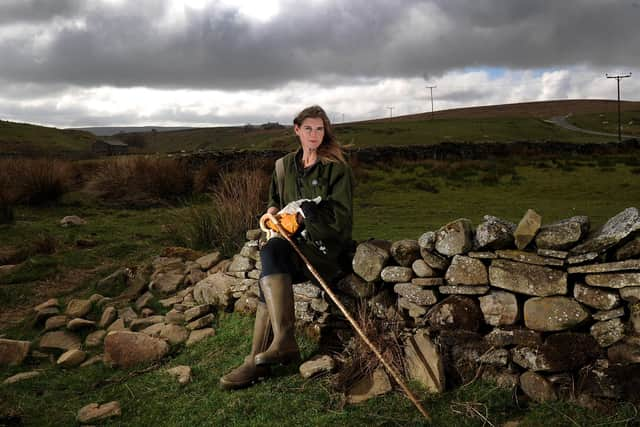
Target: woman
317	169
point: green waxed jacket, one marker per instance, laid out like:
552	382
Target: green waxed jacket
323	240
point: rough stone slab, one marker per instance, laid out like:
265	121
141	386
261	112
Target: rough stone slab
563	234
416	294
216	289
144	300
46	313
77	324
595	297
52	302
109	315
631	249
354	286
209	260
537	387
153	330
627	265
527	228
370	258
608	332
250	250
466	271
455	312
630	294
582	258
318	365
60	340
424	362
127	314
499	308
196	312
93	412
624	353
612	232
496	357
422	269
634	318
551	253
114	283
404	252
455	238
495	233
613	280
500	337
463	290
532	358
527	278
182	373
240	263
434	260
482	255
167	283
118	325
126	349
56	322
172	300
371	386
22	376
71	358
306	290
415	310
198	335
555	313
201	323
13	352
139	324
427	241
395	274
608	314
95	338
253	234
78	308
529	258
427	281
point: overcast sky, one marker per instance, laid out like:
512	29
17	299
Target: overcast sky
70	63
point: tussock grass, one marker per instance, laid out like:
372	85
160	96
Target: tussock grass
140	180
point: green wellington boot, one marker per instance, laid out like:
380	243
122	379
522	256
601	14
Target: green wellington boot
248	373
278	295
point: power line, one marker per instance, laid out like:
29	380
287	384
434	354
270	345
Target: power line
618	78
390	112
431	91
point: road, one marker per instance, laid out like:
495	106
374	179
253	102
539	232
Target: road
563	123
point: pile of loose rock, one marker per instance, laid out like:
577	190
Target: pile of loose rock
544	308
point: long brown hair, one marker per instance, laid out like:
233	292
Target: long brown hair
329	150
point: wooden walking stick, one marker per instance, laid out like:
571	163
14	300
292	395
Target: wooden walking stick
334	298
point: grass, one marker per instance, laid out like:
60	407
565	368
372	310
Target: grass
31	139
608	122
286	399
389	203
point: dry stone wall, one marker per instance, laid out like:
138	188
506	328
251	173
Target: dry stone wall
551	308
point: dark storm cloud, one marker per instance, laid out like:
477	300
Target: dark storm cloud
131	44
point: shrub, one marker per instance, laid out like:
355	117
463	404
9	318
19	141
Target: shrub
44	180
141	180
238	199
206	177
428	187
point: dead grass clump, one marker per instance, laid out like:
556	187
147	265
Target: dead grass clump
44	180
238	199
358	361
206	177
140	179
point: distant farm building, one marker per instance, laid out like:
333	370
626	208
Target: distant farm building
105	147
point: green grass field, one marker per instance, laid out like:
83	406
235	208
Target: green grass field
608	122
393	201
32	139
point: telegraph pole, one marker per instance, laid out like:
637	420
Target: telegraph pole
618	78
390	112
431	91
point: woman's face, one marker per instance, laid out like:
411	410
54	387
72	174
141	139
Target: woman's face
310	132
